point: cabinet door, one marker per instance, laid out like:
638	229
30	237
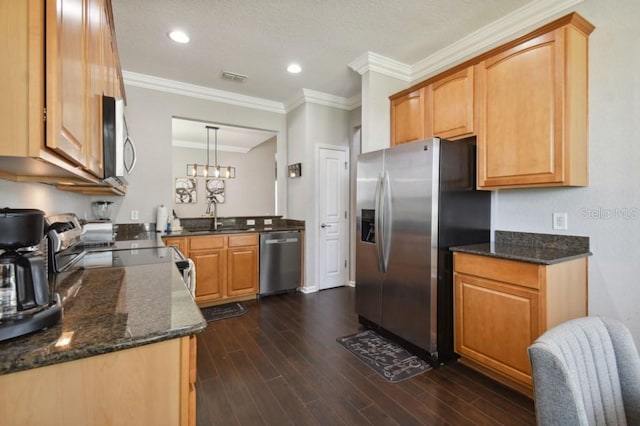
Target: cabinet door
210	274
407	117
495	323
520	115
179	242
96	74
188	380
66	70
243	271
110	61
450	106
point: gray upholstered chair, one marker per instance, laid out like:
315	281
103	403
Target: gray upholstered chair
586	372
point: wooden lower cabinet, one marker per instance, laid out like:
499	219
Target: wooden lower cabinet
181	243
227	266
502	306
188	381
211	267
147	385
242	272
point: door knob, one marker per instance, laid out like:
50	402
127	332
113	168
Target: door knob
324	225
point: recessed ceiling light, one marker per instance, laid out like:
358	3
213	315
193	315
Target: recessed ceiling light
294	68
179	36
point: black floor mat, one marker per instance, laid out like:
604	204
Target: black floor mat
386	358
220	312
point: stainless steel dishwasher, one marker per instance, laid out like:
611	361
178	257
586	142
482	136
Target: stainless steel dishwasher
280	262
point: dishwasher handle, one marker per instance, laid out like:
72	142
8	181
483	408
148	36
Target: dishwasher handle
281	241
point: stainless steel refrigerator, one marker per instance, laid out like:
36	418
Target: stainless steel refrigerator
414	201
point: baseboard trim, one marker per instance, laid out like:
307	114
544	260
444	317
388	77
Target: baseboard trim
309	289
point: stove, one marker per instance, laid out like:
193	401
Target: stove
68	251
101	258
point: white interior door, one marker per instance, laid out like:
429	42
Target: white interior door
333	217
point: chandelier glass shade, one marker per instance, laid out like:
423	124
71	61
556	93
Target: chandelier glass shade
215	170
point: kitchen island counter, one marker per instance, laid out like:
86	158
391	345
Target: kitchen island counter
108	310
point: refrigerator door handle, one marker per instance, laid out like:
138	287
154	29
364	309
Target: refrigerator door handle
378	220
385	221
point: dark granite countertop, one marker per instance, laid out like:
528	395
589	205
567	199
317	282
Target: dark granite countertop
543	249
204	226
106	310
228	230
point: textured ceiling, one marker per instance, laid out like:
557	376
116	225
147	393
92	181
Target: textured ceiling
259	38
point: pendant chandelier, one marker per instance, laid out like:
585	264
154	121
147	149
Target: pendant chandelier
214	170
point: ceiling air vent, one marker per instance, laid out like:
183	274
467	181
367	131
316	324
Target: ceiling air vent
232	76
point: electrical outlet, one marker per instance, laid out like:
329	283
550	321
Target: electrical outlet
134	214
251	222
560	221
268	221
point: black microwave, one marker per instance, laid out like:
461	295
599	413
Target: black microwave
119	153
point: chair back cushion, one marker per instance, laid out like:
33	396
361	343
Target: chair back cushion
575	375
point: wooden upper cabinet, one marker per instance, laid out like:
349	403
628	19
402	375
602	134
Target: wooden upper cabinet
532	112
407	117
526	101
111	63
53	114
66	72
450	106
96	75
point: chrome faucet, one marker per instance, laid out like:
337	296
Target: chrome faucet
211	201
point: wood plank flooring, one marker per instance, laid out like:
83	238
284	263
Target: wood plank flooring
280	364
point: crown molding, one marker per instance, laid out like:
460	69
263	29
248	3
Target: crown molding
203	146
515	23
370	61
354	102
185	89
507	27
320	98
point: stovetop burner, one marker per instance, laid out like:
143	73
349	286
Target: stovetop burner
68	252
122	258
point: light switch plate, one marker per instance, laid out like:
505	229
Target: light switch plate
560	221
134	214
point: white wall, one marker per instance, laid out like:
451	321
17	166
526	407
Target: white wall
149	113
608	210
376	109
43	197
311	125
251	193
296	152
355	124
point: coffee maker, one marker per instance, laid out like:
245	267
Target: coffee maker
27	303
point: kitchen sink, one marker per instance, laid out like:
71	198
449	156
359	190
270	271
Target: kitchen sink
221	229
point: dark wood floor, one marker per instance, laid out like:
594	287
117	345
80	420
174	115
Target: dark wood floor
280	364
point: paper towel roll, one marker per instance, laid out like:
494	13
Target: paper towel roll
161	218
